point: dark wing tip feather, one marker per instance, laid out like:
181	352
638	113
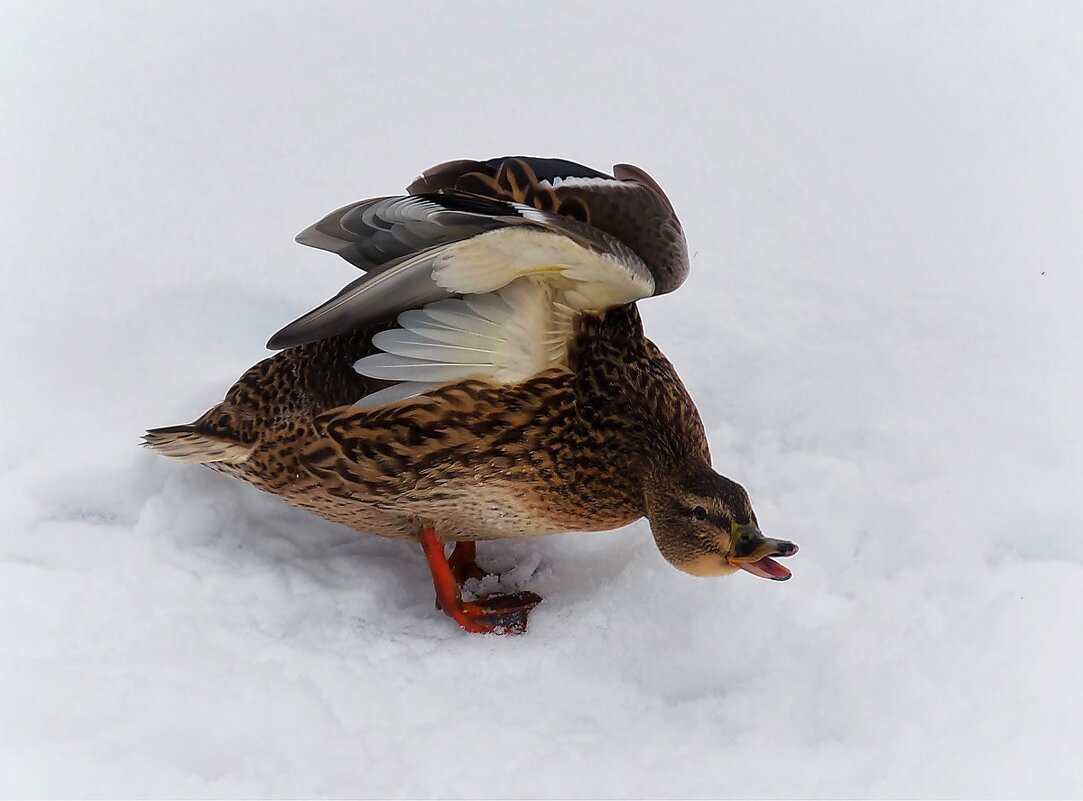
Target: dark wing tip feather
630	172
443	176
331	234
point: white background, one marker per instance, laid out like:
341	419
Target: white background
882	328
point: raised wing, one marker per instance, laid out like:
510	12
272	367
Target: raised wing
449	247
371	233
486	266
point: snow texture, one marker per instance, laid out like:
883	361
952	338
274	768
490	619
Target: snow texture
882	329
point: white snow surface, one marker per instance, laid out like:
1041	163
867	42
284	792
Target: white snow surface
882	329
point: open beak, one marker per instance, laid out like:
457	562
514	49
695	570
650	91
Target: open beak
752	551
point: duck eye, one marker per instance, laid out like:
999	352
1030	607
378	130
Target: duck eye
699	513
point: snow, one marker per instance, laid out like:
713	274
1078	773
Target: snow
882	329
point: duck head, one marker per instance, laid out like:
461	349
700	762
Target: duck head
704	525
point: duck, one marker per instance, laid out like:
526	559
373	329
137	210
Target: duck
487	376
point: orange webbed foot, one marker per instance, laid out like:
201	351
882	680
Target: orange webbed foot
490	614
498	614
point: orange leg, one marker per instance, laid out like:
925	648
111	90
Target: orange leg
499	614
463	561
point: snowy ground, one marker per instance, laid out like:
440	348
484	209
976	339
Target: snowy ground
882	329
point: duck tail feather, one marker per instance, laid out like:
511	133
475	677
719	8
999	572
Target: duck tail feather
187	443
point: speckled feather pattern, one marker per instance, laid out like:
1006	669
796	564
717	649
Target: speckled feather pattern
569	449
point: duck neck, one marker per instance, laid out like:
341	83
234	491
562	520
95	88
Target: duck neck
632	395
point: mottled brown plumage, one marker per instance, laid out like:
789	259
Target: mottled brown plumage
568	450
600	433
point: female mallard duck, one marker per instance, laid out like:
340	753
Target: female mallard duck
488	377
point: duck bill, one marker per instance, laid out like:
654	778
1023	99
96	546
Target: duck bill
757	552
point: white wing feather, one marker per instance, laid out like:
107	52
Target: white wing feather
516	293
505	337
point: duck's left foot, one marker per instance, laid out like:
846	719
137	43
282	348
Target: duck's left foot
490	614
495	614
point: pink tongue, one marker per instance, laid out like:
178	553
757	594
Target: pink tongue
767	568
